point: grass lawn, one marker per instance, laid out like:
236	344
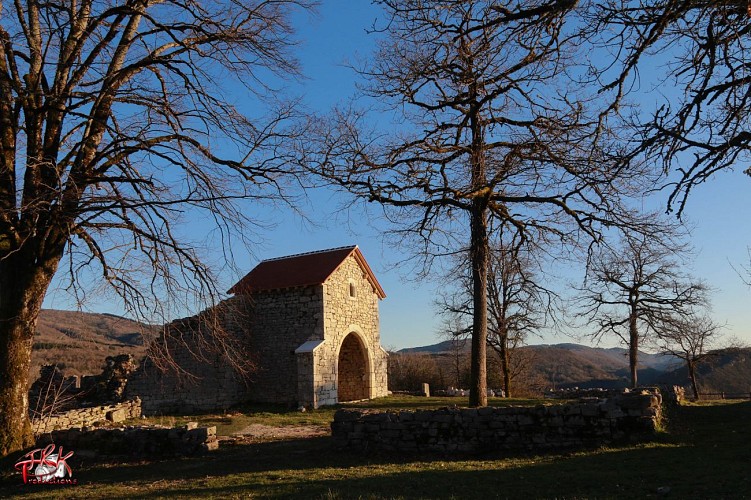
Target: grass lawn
705	453
234	421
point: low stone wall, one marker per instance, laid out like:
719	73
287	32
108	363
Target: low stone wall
576	393
590	422
84	417
135	441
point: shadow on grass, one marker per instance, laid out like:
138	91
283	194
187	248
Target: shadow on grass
705	456
626	473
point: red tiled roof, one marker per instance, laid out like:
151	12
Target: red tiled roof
312	268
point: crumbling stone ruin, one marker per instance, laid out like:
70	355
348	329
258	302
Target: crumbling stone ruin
57	402
110	385
52	392
310	325
676	395
183	374
86	417
66	414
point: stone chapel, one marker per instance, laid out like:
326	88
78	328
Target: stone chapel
311	331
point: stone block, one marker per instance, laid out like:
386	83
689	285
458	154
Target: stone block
347	415
118	415
469	414
201	433
590	410
526	420
209	446
637	402
498	424
485	410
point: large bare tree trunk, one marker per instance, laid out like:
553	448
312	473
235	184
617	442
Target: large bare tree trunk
633	348
479	246
24	279
478	394
15	358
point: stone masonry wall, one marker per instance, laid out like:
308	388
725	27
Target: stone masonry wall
135	441
211	383
590	422
284	320
270	324
83	417
345	315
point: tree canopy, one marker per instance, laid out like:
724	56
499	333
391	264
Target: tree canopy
489	128
114	119
698	51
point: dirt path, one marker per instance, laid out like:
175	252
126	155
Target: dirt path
268	432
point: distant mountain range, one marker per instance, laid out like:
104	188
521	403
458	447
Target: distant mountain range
611	358
573	365
79	342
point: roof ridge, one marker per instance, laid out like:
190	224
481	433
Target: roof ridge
348	247
307	268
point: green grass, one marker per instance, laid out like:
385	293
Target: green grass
706	453
415	402
236	420
279	416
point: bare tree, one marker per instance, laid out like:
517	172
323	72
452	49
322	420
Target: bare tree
634	290
486	130
50	393
456	332
690	338
409	370
522	368
518	304
113	125
703	50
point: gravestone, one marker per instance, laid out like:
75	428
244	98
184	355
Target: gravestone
426	390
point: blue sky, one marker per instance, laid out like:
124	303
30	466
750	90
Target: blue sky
337	33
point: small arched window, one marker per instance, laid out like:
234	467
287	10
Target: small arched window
352	290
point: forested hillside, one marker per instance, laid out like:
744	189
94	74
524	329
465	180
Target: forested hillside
78	342
539	368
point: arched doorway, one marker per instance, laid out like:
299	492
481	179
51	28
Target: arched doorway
352	370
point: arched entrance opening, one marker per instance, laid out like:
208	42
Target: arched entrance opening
352	370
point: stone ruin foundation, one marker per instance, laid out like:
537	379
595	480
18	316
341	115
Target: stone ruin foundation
614	417
87	417
135	441
52	393
78	429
